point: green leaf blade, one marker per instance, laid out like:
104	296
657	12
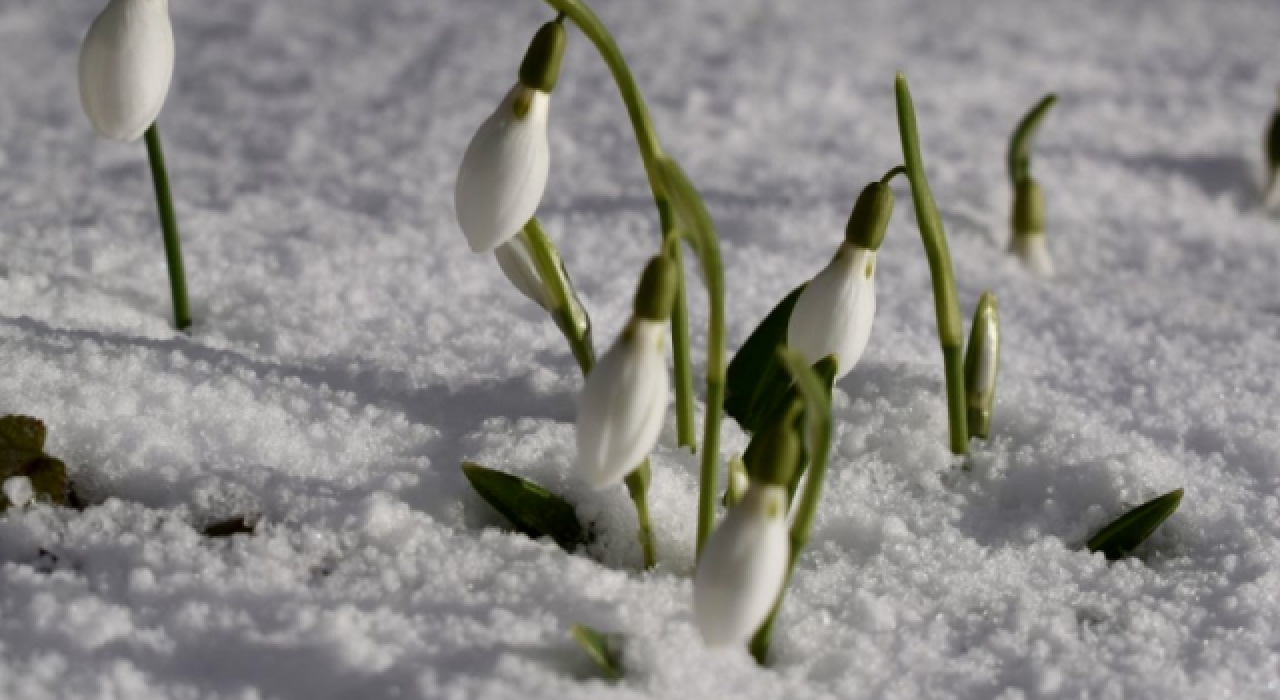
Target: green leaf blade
531	509
22	433
600	649
1133	528
755	381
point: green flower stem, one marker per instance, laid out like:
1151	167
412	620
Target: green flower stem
577	330
950	326
650	154
1020	144
702	238
818	425
169	225
685	429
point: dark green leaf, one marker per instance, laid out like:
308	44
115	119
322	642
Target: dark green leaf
826	371
22	433
755	382
238	525
1128	531
531	509
48	476
601	649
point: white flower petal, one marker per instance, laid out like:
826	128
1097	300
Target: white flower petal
504	171
743	568
835	312
623	404
126	65
517	264
1034	252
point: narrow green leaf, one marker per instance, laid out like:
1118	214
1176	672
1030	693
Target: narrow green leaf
22	433
532	509
600	648
825	369
755	381
1020	144
1130	530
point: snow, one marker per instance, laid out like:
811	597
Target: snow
350	352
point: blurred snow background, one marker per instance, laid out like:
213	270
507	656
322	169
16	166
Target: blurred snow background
349	353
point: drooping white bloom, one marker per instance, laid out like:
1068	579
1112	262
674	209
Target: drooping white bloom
743	567
834	313
504	171
517	264
1033	250
18	490
126	64
623	404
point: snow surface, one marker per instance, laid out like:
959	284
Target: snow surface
350	352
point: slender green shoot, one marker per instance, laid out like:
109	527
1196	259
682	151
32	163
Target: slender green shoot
950	325
169	226
1020	144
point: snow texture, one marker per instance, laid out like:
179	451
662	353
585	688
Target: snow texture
349	352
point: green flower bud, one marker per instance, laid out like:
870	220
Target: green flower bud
870	218
657	291
541	67
982	364
781	448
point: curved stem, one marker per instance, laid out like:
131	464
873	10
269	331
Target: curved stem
1020	144
169	225
575	326
650	154
893	172
950	327
818	425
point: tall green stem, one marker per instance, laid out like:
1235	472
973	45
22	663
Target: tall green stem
679	329
950	326
818	426
650	154
169	225
576	328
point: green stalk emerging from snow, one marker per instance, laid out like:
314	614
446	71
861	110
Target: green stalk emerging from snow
169	225
950	326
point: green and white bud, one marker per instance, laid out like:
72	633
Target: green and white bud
1028	242
982	364
738	481
624	402
126	66
834	313
504	170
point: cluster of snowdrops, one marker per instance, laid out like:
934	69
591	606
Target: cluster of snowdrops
777	387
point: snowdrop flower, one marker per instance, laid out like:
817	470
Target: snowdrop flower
517	264
126	64
1028	241
744	566
18	490
834	313
981	364
504	170
624	402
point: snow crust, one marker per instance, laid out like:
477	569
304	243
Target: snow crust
349	352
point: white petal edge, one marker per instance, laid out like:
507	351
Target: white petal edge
743	568
126	67
1033	250
516	263
504	171
623	405
835	312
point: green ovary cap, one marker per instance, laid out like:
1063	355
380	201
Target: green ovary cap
1028	208
870	218
780	450
657	290
541	67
